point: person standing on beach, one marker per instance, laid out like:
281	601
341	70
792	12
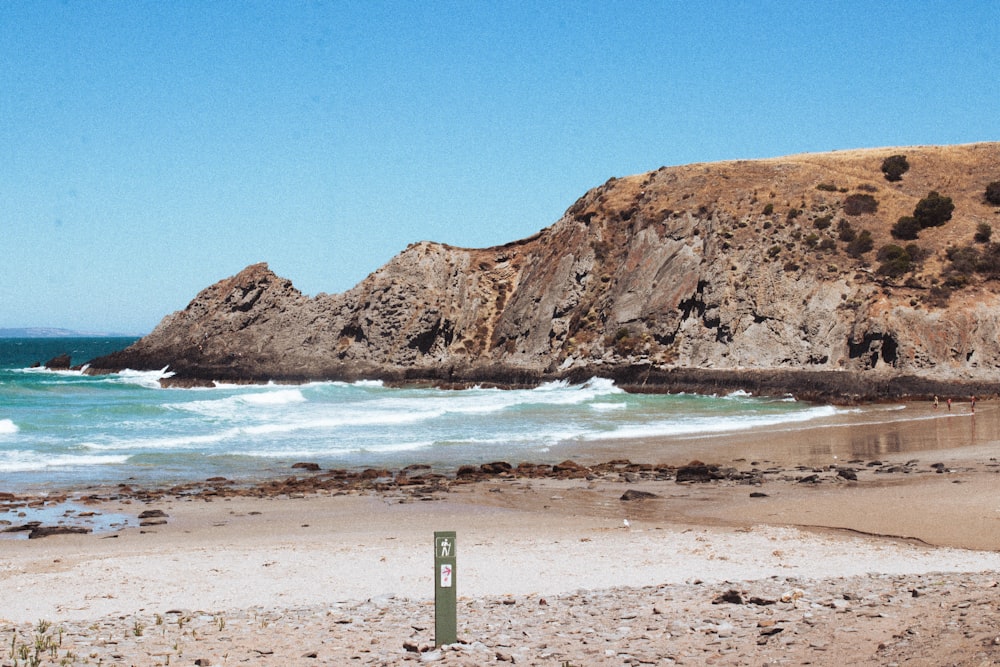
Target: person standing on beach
935	402
949	405
972	403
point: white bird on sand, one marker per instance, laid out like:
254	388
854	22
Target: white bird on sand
627	524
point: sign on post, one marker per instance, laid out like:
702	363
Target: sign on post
445	615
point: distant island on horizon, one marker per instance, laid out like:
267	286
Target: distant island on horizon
53	332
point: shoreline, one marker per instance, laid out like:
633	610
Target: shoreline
879	445
834	386
743	559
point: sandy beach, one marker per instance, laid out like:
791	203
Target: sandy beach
786	549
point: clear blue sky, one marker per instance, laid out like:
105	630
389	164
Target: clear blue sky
149	149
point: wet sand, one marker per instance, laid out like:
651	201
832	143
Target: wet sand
864	432
895	566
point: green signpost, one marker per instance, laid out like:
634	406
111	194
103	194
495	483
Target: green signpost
445	615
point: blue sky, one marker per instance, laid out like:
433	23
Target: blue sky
149	149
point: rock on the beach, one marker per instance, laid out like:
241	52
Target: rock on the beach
47	531
696	471
149	518
634	495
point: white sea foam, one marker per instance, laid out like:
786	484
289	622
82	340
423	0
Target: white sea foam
387	447
739	393
8	427
706	424
607	407
280	397
166	443
148	379
238	405
21	461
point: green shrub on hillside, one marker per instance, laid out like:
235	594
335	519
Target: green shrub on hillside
894	167
861	244
993	193
989	261
933	210
823	222
983	233
906	228
857	204
896	260
845	232
964	260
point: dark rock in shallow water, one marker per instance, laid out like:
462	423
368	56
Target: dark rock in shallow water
311	467
61	362
23	528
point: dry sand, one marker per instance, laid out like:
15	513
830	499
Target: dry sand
896	567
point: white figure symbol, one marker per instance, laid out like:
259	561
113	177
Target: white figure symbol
445	548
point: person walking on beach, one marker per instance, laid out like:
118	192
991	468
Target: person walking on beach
972	403
935	402
949	405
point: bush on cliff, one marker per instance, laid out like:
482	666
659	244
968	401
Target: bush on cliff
993	193
845	232
861	244
896	260
858	204
983	233
933	210
894	167
906	228
964	260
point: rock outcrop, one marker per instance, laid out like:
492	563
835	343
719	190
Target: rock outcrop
753	274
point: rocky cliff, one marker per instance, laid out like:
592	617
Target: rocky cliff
772	275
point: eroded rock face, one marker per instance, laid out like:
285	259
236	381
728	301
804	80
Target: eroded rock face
735	267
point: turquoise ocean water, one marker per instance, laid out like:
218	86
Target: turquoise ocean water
69	430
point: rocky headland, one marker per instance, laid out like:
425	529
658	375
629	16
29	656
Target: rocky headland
851	275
